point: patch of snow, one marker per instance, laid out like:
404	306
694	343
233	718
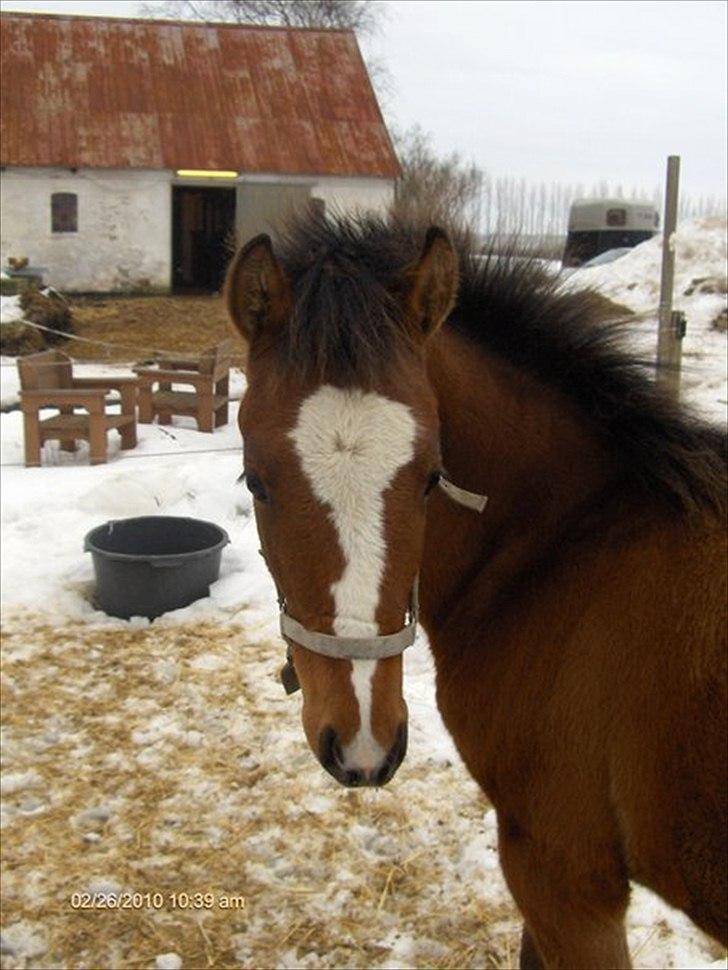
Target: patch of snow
165	671
168	961
16	781
209	661
660	936
10	309
104	886
157	729
24	939
401	948
317	804
31	805
98	815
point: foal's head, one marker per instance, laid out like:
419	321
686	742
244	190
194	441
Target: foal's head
341	449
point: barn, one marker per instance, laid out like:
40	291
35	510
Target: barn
131	150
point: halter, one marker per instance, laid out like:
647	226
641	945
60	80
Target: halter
362	648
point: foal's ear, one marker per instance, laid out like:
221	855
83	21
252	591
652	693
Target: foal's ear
432	283
256	289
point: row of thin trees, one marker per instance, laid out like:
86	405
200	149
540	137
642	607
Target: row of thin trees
506	204
457	193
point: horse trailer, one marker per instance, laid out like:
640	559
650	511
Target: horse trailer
597	225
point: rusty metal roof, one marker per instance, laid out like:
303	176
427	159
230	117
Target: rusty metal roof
107	93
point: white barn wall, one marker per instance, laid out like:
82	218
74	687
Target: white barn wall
340	193
353	194
264	201
124	238
124	227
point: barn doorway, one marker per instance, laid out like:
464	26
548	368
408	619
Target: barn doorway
203	220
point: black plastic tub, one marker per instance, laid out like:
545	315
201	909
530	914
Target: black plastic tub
153	564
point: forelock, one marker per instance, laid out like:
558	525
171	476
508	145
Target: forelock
346	325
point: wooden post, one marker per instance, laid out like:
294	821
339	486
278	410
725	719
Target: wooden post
31	432
671	326
146	405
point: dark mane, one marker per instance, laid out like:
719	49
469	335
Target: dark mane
346	327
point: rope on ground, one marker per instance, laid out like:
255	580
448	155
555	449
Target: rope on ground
148	454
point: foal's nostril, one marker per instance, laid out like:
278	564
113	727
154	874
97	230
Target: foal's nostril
394	758
330	754
332	758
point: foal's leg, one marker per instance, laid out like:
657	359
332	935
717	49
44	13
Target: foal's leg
529	958
573	920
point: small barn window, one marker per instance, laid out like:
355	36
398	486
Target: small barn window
64	212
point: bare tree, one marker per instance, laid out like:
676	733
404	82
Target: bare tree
512	207
358	15
433	189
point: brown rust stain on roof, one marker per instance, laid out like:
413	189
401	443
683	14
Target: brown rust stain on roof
103	93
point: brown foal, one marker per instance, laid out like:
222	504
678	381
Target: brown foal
578	624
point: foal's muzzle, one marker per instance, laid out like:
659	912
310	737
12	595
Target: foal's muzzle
331	757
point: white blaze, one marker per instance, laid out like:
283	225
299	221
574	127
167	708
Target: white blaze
351	444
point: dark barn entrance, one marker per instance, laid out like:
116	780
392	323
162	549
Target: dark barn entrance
203	219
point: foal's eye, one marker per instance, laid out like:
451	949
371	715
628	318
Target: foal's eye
256	487
432	482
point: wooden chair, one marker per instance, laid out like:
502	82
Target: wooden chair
47	381
207	402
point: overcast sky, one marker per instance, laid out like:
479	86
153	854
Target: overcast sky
570	91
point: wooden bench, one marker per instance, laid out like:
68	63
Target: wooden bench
208	375
47	381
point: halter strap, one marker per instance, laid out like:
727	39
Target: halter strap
361	648
471	500
374	647
342	648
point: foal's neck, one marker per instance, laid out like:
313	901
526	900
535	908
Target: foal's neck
523	445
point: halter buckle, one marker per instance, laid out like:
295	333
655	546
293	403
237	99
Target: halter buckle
288	675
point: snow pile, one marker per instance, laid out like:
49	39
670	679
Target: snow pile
700	274
700	287
10	309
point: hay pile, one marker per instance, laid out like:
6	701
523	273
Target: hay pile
18	339
47	308
140	325
123	328
169	760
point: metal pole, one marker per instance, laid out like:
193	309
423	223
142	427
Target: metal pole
671	325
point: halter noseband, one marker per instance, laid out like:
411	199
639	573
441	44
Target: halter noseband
362	648
354	648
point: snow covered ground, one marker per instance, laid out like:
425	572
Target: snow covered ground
165	757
